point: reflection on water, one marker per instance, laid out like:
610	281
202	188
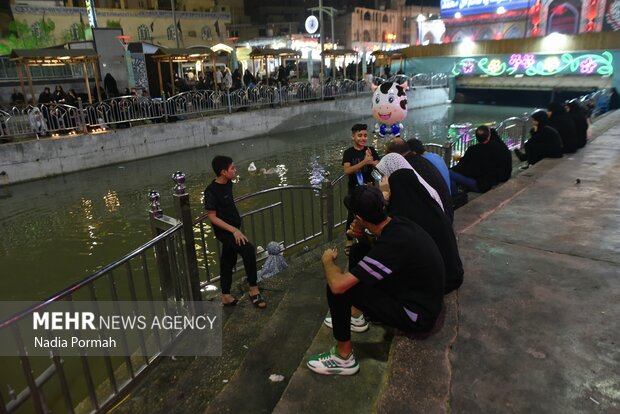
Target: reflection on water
58	230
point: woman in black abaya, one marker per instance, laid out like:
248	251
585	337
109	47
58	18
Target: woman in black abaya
409	198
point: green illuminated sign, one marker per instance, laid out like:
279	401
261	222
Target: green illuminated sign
537	65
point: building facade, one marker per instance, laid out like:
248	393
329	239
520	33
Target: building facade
143	25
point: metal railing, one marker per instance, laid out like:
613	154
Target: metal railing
137	272
429	80
512	131
52	118
182	257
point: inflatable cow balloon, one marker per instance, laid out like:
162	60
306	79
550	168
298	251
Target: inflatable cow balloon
389	108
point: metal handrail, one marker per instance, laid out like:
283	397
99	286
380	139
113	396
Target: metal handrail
125	110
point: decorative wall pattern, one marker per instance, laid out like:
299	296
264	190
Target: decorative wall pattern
139	70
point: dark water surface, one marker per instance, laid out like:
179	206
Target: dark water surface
58	230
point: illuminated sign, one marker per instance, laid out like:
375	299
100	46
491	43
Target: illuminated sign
90	10
536	65
469	7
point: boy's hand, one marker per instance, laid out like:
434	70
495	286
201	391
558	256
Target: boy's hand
368	158
329	255
240	238
356	229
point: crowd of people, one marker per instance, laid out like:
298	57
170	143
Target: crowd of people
402	251
403	255
562	129
406	256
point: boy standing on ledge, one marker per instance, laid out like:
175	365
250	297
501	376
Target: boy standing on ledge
226	221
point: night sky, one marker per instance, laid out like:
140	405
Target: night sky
340	4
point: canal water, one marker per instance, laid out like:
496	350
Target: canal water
58	230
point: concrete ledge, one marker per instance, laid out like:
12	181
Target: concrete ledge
419	370
31	160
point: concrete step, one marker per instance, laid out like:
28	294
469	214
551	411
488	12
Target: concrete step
308	392
253	340
279	345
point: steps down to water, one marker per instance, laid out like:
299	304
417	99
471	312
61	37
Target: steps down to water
277	341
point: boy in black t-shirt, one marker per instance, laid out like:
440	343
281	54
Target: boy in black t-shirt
399	281
358	162
224	216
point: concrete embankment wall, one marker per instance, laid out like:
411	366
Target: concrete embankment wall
31	160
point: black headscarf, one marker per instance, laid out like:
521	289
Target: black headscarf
541	117
409	199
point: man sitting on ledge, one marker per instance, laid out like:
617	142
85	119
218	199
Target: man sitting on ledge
399	281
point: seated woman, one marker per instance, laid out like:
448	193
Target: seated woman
409	198
392	162
545	142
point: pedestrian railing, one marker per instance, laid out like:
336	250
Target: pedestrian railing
123	111
429	80
512	131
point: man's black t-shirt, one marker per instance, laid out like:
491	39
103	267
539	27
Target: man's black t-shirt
219	198
405	263
354	156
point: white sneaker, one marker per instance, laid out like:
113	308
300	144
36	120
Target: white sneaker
330	363
359	324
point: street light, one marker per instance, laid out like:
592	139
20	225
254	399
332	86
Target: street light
330	11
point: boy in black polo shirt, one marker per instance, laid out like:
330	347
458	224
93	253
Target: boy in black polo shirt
400	281
358	162
224	216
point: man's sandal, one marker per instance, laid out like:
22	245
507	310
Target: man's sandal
258	301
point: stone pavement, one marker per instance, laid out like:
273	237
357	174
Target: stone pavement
536	324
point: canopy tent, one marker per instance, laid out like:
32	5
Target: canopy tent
171	56
335	53
266	54
390	56
25	58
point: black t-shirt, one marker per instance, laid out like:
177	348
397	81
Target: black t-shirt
405	263
219	198
354	156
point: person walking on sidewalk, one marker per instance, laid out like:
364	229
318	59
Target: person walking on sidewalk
224	216
399	282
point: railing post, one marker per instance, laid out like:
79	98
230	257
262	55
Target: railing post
447	153
82	116
184	213
229	102
327	196
281	96
161	255
165	104
524	132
